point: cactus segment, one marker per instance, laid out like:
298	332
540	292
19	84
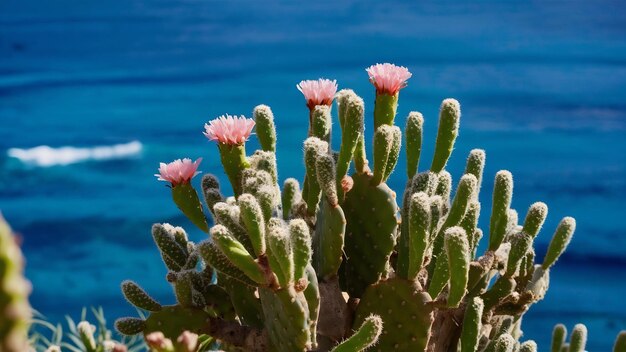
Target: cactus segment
406	312
460	204
419	224
313	148
230	217
187	201
475	165
234	161
500	289
325	169
265	129
385	109
578	339
312	296
237	254
281	255
559	334
457	250
301	246
351	112
290	196
449	116
439	264
535	217
502	195
560	240
360	157
244	301
366	336
130	326
472	325
444	185
528	346
425	182
286	319
136	296
470	223
383	143
521	243
321	122
504	343
174	256
183	289
328	242
15	312
413	134
211	254
394	152
370	233
173	320
252	217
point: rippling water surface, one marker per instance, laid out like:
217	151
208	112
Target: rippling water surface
94	94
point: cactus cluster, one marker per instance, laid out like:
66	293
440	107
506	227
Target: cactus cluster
334	263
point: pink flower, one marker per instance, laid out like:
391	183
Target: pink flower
178	171
320	92
228	129
388	78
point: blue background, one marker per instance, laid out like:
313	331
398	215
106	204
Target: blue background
542	87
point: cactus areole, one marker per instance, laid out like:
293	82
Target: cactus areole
338	261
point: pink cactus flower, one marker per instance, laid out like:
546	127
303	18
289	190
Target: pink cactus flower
229	129
178	171
388	78
320	92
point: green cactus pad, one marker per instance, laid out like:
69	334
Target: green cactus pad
138	297
328	242
370	233
173	320
406	313
186	198
244	301
130	326
286	319
216	259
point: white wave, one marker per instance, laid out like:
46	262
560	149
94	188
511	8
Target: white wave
45	156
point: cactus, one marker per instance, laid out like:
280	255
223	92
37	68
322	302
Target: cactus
338	265
15	311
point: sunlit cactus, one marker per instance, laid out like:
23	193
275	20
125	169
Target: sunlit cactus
339	261
15	312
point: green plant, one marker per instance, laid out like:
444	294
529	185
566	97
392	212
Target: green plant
305	268
81	337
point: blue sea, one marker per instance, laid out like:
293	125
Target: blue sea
94	94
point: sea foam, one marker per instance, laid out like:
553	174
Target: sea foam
45	156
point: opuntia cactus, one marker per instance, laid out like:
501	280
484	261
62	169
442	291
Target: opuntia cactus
338	264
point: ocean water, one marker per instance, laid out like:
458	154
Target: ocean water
94	94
